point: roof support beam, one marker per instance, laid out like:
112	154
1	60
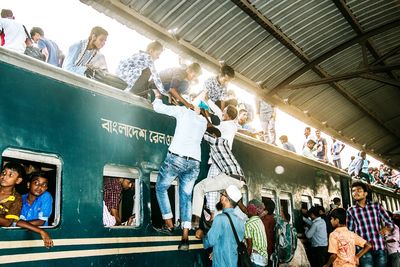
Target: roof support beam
389	54
332	52
377	78
352	20
351	75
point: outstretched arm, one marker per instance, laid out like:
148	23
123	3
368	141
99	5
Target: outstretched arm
48	242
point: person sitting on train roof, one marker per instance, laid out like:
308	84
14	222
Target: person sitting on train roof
243	125
308	150
139	68
176	82
11	201
49	48
343	243
84	56
366	219
215	88
112	192
37	204
14	32
182	161
286	144
224	171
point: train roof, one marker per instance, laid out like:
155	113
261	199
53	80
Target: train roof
332	64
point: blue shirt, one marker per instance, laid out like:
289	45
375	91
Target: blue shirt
222	239
40	209
52	48
317	233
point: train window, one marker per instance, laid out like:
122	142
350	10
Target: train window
306	202
285	206
121	196
267	195
173	194
47	165
317	201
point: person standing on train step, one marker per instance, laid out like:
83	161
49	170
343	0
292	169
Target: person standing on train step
137	70
182	161
228	172
317	234
13	32
49	48
220	236
365	219
84	56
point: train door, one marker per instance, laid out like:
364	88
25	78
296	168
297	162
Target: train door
173	194
345	189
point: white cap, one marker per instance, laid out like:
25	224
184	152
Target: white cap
234	193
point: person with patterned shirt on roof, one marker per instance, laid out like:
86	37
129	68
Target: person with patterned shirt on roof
365	220
137	70
215	87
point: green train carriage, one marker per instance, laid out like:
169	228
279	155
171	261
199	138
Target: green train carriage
80	131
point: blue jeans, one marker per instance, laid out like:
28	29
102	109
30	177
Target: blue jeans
187	171
374	258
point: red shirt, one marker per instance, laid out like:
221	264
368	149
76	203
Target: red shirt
269	224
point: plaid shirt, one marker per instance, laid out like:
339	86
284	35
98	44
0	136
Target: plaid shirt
366	222
112	192
222	156
131	68
215	90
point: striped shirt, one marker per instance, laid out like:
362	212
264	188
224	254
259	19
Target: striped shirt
222	156
366	223
254	230
112	193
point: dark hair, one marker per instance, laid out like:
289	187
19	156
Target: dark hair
269	206
97	31
340	214
35	30
227	70
155	46
320	208
16	167
336	200
214	131
232	112
35	175
360	184
315	211
6	13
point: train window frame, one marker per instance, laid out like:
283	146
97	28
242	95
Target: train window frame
270	193
318	201
286	196
308	200
41	158
126	172
175	183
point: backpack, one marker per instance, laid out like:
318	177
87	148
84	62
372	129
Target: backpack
285	241
243	255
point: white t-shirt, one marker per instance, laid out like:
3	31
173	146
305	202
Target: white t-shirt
228	130
14	35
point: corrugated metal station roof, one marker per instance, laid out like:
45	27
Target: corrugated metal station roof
333	64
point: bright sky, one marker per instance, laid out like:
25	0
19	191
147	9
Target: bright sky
68	21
